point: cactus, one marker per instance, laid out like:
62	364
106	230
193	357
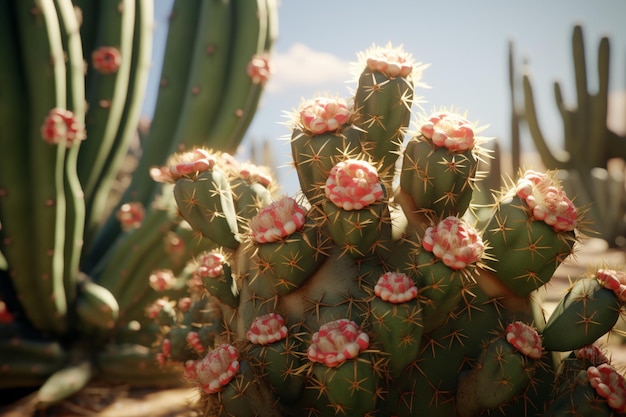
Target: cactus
375	292
77	279
588	144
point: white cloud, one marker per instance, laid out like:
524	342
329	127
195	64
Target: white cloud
302	66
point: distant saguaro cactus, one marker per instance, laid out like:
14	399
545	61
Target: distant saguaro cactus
589	145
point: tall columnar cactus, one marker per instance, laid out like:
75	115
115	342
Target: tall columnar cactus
588	143
75	286
359	298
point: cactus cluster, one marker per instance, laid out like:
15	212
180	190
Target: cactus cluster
75	280
376	291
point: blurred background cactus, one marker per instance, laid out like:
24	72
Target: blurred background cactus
76	276
590	162
375	291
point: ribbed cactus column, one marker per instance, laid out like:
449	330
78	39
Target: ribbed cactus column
278	354
383	101
439	165
82	292
321	137
589	309
451	250
396	318
530	232
504	368
354	209
343	378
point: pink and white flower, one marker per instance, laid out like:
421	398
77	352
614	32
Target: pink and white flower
106	59
395	287
525	339
162	280
210	265
614	281
130	215
277	221
393	62
449	130
337	342
591	354
193	340
267	329
253	173
216	369
547	200
323	114
609	384
259	69
62	125
184	164
353	185
455	242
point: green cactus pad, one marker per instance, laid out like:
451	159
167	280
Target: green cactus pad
585	313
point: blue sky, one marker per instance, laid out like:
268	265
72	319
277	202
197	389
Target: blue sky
465	43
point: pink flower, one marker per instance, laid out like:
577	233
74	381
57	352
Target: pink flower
130	215
253	173
353	184
614	281
267	329
210	264
322	114
184	164
395	287
106	59
62	125
609	384
162	280
547	200
449	130
193	339
455	242
259	69
525	339
184	304
336	342
155	308
216	369
591	354
277	220
391	62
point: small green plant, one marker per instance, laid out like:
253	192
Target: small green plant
75	281
374	292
